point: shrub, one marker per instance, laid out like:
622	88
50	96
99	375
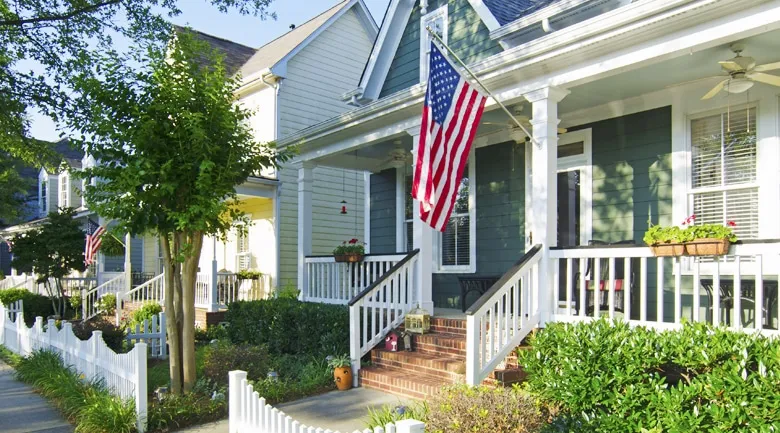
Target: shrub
146	312
88	404
224	357
288	292
34	305
213	332
390	414
113	335
460	408
107	304
179	411
288	326
613	378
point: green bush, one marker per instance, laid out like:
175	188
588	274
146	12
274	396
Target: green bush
146	312
224	357
213	332
34	305
614	378
288	292
288	326
462	409
88	404
176	412
113	335
390	414
107	304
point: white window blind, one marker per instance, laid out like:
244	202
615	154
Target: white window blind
723	168
455	246
64	190
243	256
436	20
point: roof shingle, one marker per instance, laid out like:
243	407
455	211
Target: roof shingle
507	11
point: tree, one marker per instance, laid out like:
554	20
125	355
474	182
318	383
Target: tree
13	191
53	251
65	38
173	145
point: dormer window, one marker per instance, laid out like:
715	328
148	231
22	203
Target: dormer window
437	20
64	190
42	195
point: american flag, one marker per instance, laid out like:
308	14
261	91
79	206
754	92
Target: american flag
450	118
94	238
7	242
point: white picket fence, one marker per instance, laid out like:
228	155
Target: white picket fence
249	413
124	374
152	332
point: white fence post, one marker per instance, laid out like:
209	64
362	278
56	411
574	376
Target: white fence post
235	403
140	386
97	338
354	341
410	426
163	337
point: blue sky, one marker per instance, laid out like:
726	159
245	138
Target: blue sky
248	30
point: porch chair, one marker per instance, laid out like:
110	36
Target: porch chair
603	280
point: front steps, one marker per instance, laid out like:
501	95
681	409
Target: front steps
439	359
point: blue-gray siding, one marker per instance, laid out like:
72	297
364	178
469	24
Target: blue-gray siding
383	214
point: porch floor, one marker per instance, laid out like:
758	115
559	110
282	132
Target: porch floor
449	313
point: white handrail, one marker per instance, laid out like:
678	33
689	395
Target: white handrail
329	282
502	317
89	302
381	307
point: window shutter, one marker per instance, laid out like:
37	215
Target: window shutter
723	169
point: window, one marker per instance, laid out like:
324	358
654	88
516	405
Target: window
456	246
724	184
64	190
43	197
243	256
436	20
408	227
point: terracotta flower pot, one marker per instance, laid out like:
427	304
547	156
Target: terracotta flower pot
668	250
708	247
343	377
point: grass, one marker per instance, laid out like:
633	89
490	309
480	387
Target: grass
9	357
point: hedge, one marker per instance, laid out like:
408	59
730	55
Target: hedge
613	378
34	304
288	326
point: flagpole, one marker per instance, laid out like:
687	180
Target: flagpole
474	76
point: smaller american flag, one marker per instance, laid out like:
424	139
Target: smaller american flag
94	238
7	242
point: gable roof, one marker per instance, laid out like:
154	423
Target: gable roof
507	11
275	52
235	54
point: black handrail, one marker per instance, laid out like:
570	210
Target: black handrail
504	279
382	279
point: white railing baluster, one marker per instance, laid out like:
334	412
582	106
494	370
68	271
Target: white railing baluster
736	314
611	293
716	319
759	293
659	291
627	286
569	287
677	262
595	288
696	289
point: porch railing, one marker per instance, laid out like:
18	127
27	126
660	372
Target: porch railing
14	281
381	307
739	290
74	286
502	317
90	300
152	290
330	282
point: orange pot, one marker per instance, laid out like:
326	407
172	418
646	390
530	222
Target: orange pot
343	377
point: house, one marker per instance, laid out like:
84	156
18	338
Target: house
638	112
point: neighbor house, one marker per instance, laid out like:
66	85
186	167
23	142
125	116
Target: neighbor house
639	113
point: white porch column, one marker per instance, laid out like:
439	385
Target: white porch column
305	188
544	157
213	294
423	240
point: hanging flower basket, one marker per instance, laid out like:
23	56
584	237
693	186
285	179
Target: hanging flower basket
668	250
707	247
353	257
340	258
351	251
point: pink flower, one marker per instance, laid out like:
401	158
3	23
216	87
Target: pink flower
732	224
689	220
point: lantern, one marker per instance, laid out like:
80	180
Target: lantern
391	341
407	336
418	321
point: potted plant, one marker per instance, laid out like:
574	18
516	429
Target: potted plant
350	251
708	239
665	241
342	371
248	275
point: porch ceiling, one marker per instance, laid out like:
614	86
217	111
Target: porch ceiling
765	48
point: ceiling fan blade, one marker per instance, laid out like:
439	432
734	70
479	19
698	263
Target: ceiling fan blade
562	130
730	65
494	123
684	83
764	78
715	90
767	67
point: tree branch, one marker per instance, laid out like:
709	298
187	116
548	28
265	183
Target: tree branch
61	17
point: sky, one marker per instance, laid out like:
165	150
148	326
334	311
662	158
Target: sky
247	30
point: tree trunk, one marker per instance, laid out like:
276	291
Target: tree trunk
172	324
189	279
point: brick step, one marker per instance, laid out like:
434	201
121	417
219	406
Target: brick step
448	326
444	367
442	344
401	382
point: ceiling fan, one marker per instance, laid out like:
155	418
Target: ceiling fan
397	158
743	73
524	120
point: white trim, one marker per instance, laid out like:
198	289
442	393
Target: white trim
472	266
485	15
367	210
583	163
440	13
378	65
400	209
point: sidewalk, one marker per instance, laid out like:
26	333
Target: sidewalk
22	410
343	411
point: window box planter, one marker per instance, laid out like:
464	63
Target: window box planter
351	251
707	247
668	250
